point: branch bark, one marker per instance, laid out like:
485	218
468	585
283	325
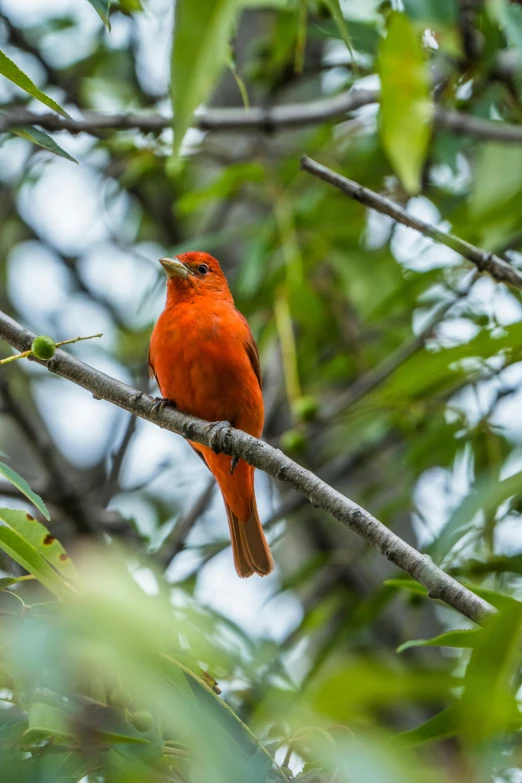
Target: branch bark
272	461
499	269
268	118
257	118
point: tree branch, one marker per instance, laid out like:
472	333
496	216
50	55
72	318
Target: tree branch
227	119
499	269
272	461
468	125
256	118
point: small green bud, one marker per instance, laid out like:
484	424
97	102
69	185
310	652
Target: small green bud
305	408
292	441
43	347
120	698
142	721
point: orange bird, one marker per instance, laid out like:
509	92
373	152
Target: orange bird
205	361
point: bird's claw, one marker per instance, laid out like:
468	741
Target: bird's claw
219	431
160	403
233	464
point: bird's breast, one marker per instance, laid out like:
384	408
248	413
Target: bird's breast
201	363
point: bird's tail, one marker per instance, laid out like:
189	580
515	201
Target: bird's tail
249	546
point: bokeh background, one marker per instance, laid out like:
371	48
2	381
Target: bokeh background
389	367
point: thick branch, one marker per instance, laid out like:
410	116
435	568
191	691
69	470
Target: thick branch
256	118
468	125
272	461
499	269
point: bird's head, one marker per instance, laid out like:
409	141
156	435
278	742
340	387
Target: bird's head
195	273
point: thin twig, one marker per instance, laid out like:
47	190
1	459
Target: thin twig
237	443
499	269
26	354
173	544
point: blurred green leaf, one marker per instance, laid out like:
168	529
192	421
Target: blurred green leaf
11	71
485	497
225	186
407	584
510	17
7	581
102	8
199	53
21	484
13	542
437	12
38	536
47	720
463	638
492	669
444	724
405	109
497	178
373	686
334	6
41	140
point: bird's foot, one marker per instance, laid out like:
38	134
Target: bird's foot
162	402
233	464
219	431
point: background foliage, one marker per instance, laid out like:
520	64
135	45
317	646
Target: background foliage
389	369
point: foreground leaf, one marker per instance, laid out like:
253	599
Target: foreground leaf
199	53
11	71
41	139
36	534
21	484
492	670
26	554
406	108
461	638
441	726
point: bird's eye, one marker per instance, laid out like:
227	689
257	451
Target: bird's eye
202	269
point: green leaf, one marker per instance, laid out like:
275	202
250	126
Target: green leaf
102	8
406	108
407	584
45	719
42	140
199	53
492	670
497	178
334	6
459	638
436	12
226	185
509	16
38	536
7	581
21	484
23	552
442	725
11	71
486	496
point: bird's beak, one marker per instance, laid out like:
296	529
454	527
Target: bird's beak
174	268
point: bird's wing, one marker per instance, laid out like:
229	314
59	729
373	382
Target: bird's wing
251	349
253	355
152	373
